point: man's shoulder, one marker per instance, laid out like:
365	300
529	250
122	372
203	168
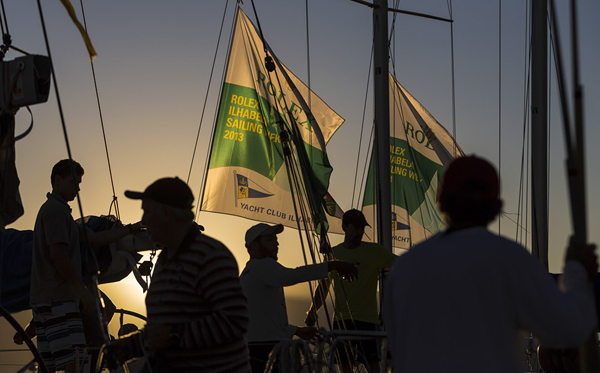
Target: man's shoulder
362	244
467	239
341	244
262	263
259	268
53	212
372	248
54	205
209	241
208	245
370	245
478	235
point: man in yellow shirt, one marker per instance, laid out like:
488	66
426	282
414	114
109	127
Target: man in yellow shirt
356	301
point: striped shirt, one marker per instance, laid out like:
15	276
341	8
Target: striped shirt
197	291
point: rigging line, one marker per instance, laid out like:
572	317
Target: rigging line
364	3
549	110
506	215
308	60
296	137
524	162
555	57
418	186
299	199
362	126
291	170
345	295
4	167
68	146
561	86
392	35
527	181
455	142
10	143
262	37
293	180
1	25
19	50
112	183
527	123
295	128
578	94
392	116
414	184
366	164
573	126
215	115
499	98
212	69
393	28
527	73
290	165
5	19
58	100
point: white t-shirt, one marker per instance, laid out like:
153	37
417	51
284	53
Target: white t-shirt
263	281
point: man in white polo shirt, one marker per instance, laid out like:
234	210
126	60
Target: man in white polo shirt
263	280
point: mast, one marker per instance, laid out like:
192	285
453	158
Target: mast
588	352
539	131
382	123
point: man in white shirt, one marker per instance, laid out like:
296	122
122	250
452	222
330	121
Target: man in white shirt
455	302
263	280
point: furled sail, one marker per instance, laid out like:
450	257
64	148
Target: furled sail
419	149
247	175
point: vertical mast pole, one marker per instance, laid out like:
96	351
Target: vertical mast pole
589	361
382	123
539	131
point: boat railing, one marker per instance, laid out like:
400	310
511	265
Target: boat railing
321	355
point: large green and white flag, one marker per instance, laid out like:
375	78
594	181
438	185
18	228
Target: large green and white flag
419	149
247	175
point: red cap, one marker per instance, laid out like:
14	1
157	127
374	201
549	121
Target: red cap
471	177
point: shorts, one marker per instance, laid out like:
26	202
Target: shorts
59	330
363	351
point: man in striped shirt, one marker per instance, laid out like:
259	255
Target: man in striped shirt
197	313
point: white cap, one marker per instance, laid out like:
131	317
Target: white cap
262	229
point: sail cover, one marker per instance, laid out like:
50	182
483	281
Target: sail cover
247	175
419	149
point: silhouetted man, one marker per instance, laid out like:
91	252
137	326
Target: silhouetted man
356	301
58	295
263	280
197	313
455	302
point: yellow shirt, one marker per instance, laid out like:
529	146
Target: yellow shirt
360	294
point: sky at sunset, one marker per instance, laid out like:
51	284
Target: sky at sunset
153	68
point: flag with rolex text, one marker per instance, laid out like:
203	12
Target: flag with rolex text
420	147
247	174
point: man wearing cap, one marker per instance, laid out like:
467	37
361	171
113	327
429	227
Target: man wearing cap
356	302
456	302
263	280
197	313
61	303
